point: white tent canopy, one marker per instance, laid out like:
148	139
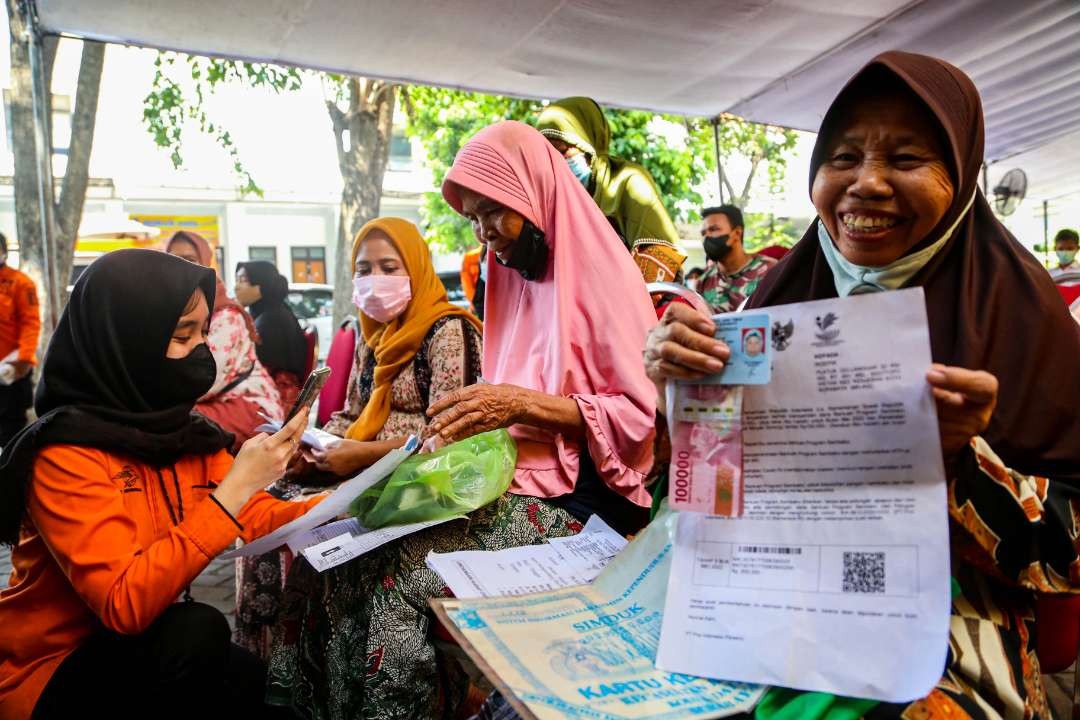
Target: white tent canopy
776	61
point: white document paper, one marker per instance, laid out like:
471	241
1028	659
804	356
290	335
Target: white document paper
356	541
333	505
836	578
562	562
348	526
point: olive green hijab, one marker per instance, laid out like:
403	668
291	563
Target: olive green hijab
624	191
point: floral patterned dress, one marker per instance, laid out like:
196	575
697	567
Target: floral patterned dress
448	359
242	387
356	641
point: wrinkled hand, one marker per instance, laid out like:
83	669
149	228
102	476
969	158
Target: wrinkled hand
682	347
965	401
342	458
477	409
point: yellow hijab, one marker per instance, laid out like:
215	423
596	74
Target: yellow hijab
395	343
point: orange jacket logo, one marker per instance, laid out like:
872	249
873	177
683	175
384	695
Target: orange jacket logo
129	478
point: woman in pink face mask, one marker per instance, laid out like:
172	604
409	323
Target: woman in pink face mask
417	348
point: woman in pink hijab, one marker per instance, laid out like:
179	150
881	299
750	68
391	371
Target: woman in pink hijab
566	314
566	317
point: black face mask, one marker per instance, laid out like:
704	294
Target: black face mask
185	380
530	253
716	247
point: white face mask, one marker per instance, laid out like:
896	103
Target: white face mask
382	297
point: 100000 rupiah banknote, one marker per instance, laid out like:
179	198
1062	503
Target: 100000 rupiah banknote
706	449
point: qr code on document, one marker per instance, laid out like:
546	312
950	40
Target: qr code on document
864	572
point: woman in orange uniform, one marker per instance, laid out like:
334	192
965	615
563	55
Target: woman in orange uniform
118	497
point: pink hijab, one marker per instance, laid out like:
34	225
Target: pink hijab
577	333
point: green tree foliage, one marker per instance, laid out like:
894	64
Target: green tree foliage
679	153
443	120
676	155
761	145
765	229
167	107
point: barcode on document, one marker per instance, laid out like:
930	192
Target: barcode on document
770	549
864	572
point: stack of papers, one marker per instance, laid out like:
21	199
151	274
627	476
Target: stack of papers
588	651
562	562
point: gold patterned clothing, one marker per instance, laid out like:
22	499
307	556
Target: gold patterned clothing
1011	535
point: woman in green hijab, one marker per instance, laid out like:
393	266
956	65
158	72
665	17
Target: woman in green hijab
624	190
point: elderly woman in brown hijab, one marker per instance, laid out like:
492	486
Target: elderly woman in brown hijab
894	178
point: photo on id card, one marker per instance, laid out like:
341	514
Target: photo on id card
747	335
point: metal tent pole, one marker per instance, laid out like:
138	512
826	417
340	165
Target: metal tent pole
1046	233
43	151
716	145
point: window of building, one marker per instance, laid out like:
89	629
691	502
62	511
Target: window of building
269	254
400	150
61	123
309	264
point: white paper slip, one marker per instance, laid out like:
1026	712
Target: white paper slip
837	574
312	437
349	545
336	503
348	526
562	562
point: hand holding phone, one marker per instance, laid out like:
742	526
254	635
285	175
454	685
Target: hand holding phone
312	386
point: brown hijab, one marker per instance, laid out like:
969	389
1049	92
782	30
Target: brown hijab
991	306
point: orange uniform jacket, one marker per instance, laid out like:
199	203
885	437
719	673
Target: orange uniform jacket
470	272
100	549
20	321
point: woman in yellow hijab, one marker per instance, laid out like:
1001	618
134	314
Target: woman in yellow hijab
417	347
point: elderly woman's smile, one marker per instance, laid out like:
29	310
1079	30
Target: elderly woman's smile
884	183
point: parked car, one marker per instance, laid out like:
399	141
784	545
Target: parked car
313	305
454	292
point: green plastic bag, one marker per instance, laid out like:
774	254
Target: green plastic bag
454	480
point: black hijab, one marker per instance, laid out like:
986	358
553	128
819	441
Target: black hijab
100	370
283	346
991	306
